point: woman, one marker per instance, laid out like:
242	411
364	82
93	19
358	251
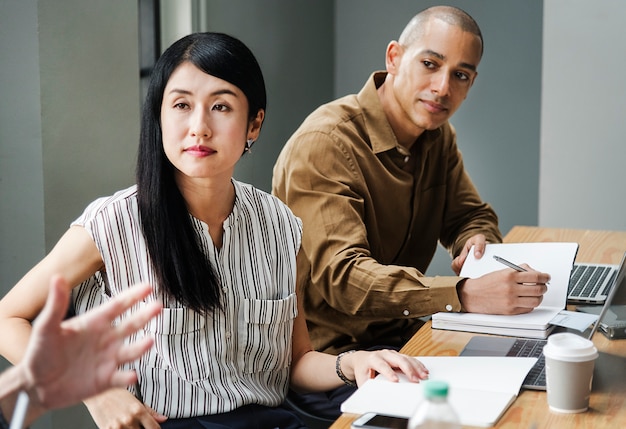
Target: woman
221	255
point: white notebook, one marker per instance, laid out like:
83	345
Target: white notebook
556	259
481	388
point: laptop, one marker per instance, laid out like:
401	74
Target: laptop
613	323
590	283
530	347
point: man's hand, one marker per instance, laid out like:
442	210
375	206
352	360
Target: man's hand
479	242
504	292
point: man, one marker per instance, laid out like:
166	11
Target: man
68	361
378	181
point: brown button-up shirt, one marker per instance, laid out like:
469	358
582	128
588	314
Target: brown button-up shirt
373	213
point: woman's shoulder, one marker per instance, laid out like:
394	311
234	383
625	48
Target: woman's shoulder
260	201
119	202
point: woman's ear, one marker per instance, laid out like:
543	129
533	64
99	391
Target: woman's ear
254	128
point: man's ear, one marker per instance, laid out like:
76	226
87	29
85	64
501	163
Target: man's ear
393	56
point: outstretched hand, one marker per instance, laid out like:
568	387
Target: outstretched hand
67	361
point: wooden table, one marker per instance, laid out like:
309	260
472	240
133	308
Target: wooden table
607	405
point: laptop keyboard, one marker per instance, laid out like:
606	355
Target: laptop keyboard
528	347
586	280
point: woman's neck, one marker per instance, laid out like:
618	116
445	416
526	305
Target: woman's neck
210	201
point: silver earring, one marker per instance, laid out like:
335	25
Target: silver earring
248	147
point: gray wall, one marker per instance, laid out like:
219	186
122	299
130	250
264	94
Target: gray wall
68	125
583	149
21	176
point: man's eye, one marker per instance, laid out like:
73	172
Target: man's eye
428	64
462	76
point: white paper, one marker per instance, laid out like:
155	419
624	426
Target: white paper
556	259
481	388
574	320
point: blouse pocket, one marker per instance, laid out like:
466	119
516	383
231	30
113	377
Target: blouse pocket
266	343
181	343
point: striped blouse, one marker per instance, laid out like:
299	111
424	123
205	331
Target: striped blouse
215	363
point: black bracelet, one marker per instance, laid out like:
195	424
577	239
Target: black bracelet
340	373
3	422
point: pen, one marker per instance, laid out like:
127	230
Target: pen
508	264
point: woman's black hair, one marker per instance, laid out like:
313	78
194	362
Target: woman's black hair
182	270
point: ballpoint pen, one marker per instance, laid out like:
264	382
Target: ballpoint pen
508	263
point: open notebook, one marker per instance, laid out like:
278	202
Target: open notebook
536	378
556	259
481	388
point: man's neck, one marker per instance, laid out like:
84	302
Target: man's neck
405	131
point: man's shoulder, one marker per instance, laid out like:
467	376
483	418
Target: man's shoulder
329	116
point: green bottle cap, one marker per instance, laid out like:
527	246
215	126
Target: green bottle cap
435	389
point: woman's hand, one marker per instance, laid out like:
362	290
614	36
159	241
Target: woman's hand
359	366
119	409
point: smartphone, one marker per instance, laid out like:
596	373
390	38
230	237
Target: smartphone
380	421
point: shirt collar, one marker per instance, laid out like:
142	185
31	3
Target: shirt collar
382	137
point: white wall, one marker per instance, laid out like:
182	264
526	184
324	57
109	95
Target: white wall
583	119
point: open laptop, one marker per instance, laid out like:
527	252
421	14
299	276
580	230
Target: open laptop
527	347
590	283
613	323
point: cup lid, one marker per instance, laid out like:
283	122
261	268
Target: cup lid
570	347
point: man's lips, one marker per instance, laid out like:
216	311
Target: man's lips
434	107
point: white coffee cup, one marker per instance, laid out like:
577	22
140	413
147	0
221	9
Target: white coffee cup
569	372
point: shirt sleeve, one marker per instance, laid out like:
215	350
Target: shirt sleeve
322	185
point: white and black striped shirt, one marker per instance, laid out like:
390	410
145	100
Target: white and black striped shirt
239	355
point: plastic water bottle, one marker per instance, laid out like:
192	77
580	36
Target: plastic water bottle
435	411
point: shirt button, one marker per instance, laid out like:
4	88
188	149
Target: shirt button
405	312
448	307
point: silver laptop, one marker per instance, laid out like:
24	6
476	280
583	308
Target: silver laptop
530	347
590	283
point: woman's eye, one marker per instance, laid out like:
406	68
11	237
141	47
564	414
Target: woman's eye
220	107
180	105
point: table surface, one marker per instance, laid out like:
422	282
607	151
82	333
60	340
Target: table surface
607	404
